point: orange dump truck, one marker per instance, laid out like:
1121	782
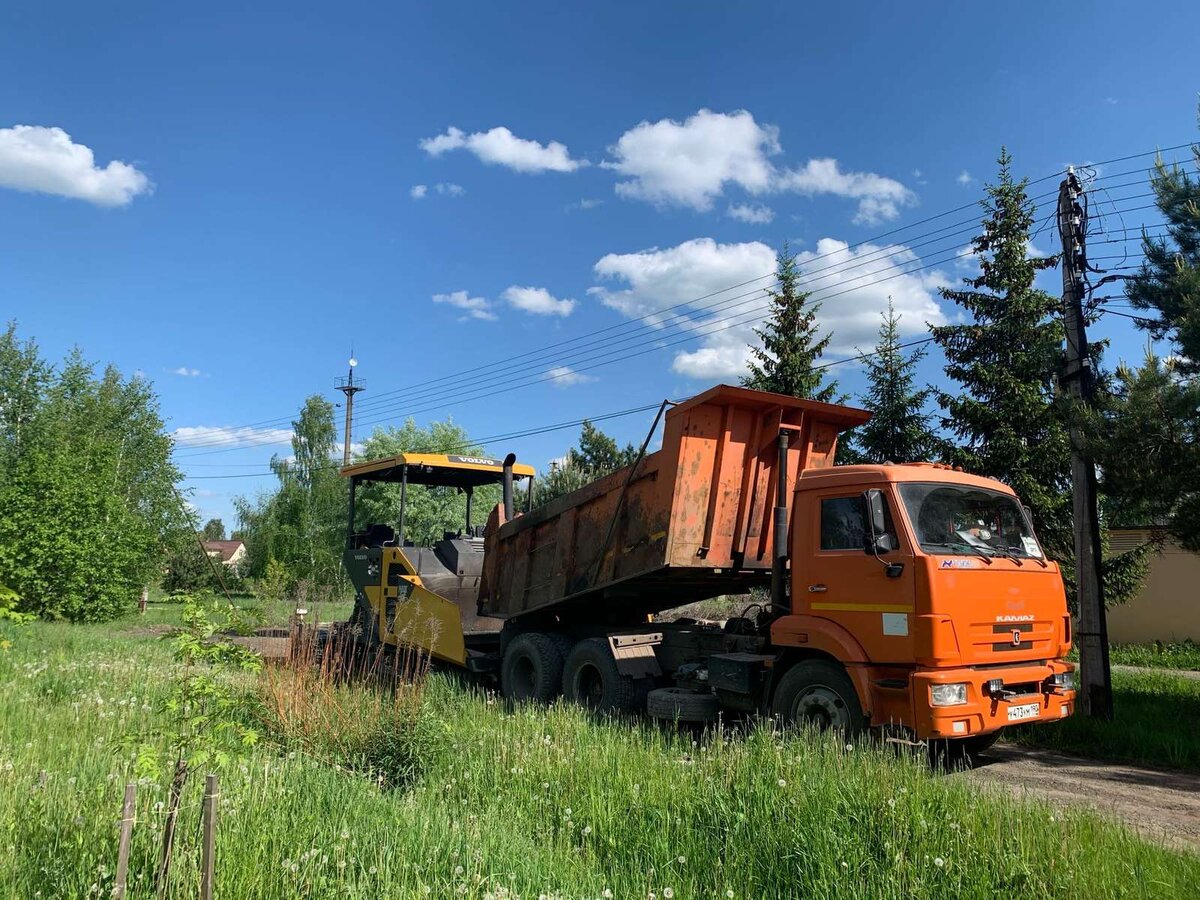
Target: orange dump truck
903	596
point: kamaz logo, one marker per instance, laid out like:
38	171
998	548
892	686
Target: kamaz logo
1014	618
1016	638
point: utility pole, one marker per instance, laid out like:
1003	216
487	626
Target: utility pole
1095	689
349	388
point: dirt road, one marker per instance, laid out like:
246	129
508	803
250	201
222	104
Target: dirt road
1158	803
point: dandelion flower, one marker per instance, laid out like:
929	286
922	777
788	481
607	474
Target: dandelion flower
729	893
782	783
938	861
668	892
682	860
458	870
374	870
587	829
606	894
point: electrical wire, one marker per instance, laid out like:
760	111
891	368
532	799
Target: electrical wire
378	403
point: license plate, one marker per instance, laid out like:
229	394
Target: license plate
1024	711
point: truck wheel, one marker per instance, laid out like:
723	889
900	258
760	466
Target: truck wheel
681	705
819	694
591	679
532	668
980	743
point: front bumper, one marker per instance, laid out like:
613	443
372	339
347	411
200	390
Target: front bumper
986	711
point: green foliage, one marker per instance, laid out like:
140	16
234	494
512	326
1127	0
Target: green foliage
203	715
538	801
1168	283
899	428
302	524
214	530
87	496
1150	447
1007	356
595	456
785	362
429	511
10	616
188	568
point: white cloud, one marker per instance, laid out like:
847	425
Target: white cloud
584	203
691	163
499	146
689	273
964	177
46	160
225	436
752	214
565	377
1111	101
417	191
186	372
656	279
879	198
538	301
450	189
475	307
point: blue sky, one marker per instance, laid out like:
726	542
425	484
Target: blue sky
227	198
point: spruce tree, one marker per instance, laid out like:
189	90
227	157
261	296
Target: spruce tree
1151	451
1006	356
791	345
899	426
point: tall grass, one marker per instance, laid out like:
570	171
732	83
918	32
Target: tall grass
1159	655
532	802
1156	722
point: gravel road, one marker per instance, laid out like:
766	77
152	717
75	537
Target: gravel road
1160	804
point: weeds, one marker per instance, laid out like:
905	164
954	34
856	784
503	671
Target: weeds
536	802
373	723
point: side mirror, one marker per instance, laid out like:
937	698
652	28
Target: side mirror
876	540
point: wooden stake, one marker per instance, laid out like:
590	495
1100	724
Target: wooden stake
209	847
128	811
164	865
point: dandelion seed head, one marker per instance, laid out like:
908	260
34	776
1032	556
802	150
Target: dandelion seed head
938	861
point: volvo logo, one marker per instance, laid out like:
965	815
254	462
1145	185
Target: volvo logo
1016	638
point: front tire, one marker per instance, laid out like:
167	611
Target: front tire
815	693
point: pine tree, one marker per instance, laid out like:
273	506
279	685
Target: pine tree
1168	283
791	345
899	426
1151	448
1006	357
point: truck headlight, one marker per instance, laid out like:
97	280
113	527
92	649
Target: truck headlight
1064	681
948	694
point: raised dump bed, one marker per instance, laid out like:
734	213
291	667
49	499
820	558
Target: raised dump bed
690	521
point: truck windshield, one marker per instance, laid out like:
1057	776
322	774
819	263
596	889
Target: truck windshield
956	520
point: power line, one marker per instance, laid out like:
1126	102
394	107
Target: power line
426	403
378	401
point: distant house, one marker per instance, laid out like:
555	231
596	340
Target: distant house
1166	608
232	553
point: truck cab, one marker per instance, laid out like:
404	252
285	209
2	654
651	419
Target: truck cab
930	587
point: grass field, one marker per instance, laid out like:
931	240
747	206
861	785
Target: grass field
1173	655
529	803
1157	722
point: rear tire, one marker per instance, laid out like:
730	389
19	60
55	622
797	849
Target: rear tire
532	668
681	705
819	694
591	679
